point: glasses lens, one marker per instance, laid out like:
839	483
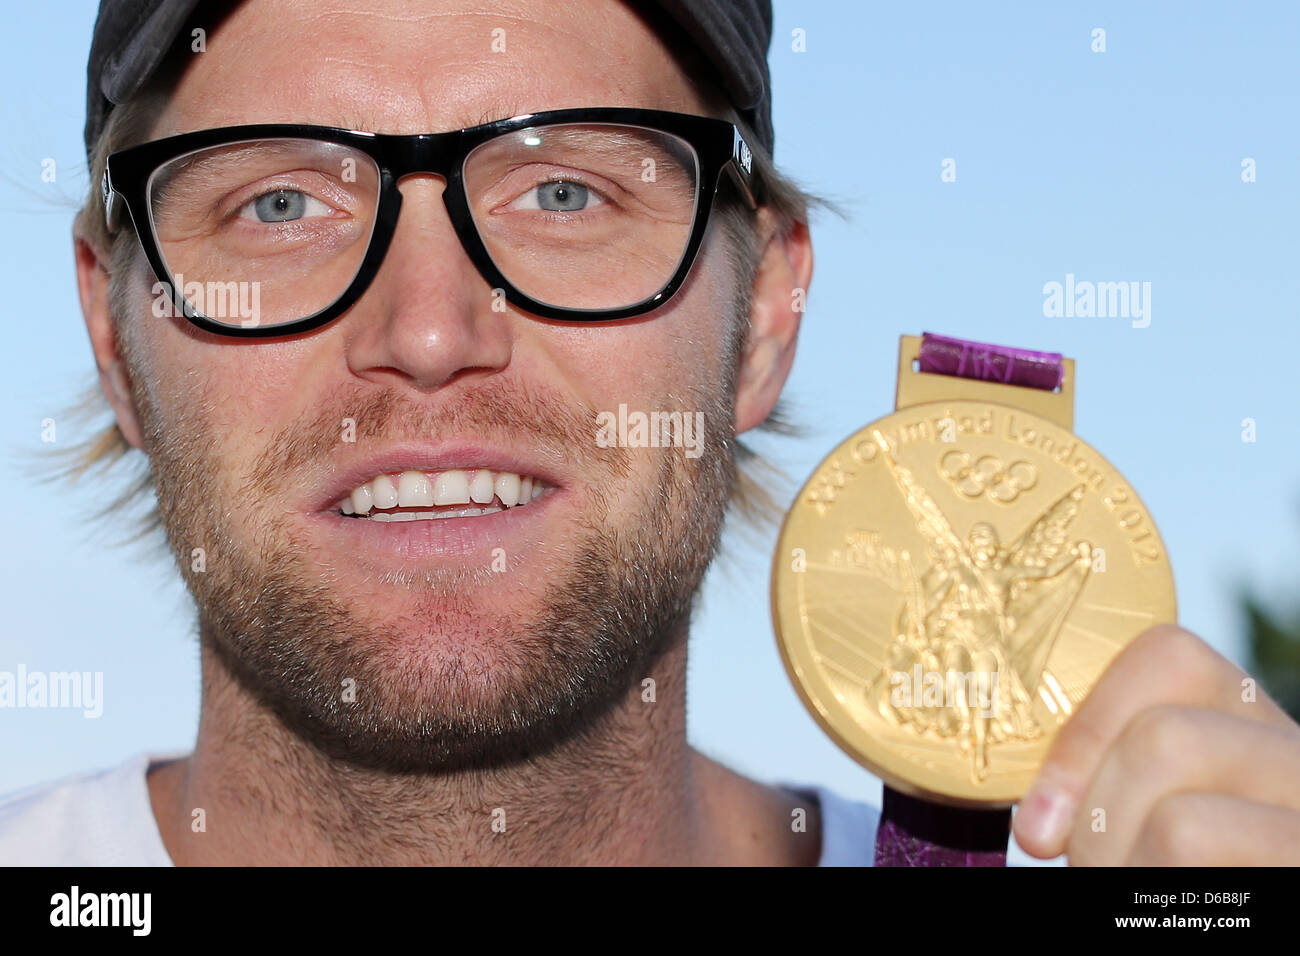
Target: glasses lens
584	216
264	232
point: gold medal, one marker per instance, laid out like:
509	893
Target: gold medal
953	579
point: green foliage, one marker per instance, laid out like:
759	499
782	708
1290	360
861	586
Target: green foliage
1273	638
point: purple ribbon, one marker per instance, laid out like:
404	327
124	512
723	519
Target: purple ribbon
915	832
991	363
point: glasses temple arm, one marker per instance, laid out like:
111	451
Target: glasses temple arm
742	167
111	211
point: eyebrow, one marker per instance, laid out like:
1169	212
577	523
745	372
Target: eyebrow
622	144
496	111
464	119
221	158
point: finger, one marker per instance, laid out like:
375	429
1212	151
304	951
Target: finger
1211	829
1168	750
1163	665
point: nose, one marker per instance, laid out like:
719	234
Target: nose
427	319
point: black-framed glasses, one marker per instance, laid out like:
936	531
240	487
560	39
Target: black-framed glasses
579	214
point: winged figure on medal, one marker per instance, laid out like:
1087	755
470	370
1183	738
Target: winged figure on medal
981	620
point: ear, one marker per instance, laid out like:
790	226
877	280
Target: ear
776	308
92	285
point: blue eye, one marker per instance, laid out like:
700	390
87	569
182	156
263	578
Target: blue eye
280	206
561	196
283	205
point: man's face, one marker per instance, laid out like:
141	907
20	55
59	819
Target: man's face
443	641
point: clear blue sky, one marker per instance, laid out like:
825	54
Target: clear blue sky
1115	166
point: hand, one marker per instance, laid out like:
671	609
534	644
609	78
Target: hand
1169	762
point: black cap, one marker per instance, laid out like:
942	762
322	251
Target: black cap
132	38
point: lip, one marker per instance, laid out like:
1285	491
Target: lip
374	544
416	456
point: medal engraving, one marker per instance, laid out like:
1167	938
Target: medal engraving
985	610
970	571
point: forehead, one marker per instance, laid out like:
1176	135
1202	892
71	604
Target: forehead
406	66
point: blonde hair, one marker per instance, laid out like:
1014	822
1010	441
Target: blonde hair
754	493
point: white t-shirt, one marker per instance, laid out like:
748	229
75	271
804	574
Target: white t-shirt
106	819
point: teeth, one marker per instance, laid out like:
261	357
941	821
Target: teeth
417	489
508	488
422	515
384	491
451	488
413	489
481	489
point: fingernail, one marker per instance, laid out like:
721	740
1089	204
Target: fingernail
1045	815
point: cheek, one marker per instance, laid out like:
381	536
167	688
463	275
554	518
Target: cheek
673	359
225	395
672	363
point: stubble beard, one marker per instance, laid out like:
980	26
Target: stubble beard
482	689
